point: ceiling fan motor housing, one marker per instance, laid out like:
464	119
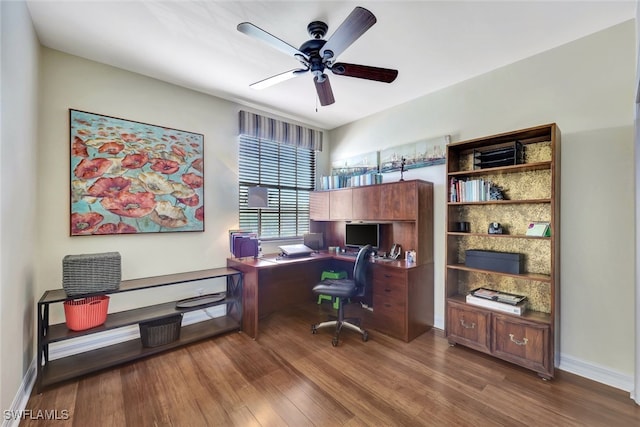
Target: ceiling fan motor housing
317	29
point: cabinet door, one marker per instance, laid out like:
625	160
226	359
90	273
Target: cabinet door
366	203
319	205
398	201
524	343
390	301
468	326
341	205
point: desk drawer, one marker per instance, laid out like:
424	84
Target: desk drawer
390	284
389	275
388	304
390	301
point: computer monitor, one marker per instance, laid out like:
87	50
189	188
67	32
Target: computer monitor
362	234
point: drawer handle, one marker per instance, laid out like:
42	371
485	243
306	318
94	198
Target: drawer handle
387	275
387	290
386	304
513	340
471	325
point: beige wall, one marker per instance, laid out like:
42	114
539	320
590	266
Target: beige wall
587	88
72	82
18	201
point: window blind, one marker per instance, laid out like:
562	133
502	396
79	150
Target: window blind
288	172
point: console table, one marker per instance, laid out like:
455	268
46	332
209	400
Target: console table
55	371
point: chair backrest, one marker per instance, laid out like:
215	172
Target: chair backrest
360	269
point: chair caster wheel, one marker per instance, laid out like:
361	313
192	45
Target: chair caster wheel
314	330
334	341
365	337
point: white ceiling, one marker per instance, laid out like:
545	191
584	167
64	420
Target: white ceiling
433	44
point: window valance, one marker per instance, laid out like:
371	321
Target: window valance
261	127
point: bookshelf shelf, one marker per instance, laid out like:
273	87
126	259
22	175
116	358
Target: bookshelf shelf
525	276
532	191
501	202
497	236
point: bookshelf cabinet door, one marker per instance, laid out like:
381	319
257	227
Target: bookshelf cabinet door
468	326
524	343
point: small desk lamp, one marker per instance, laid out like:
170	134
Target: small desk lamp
258	197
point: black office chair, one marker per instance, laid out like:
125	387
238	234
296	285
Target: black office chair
345	289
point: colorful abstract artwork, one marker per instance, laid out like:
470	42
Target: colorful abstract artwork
129	177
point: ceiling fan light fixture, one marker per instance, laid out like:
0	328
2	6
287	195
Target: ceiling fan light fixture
318	54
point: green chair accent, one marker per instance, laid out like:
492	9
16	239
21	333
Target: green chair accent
330	274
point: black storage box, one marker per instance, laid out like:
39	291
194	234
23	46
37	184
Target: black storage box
505	262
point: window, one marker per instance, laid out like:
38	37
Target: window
288	173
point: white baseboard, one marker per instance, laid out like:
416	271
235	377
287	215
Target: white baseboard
13	416
597	373
438	322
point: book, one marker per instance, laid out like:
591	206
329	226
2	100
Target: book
517	309
539	229
503	297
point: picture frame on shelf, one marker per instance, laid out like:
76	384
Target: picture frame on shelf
539	229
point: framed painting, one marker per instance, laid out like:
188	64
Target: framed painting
129	177
419	154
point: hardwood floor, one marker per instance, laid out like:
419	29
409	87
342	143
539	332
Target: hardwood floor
291	377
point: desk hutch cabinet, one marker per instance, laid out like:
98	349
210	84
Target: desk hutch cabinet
402	293
531	188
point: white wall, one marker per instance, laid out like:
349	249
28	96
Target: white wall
587	87
18	201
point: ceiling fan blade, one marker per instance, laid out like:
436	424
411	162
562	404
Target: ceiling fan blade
323	87
356	24
385	75
278	78
260	34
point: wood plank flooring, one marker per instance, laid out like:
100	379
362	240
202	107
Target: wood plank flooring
289	377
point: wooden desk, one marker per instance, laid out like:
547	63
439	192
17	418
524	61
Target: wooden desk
402	294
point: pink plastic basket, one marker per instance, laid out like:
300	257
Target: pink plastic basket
86	313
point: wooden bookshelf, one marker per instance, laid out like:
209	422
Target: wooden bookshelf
532	192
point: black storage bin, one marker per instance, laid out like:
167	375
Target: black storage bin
161	331
504	262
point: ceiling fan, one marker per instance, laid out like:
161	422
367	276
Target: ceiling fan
317	55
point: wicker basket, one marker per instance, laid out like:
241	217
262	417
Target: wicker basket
160	332
91	273
86	313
